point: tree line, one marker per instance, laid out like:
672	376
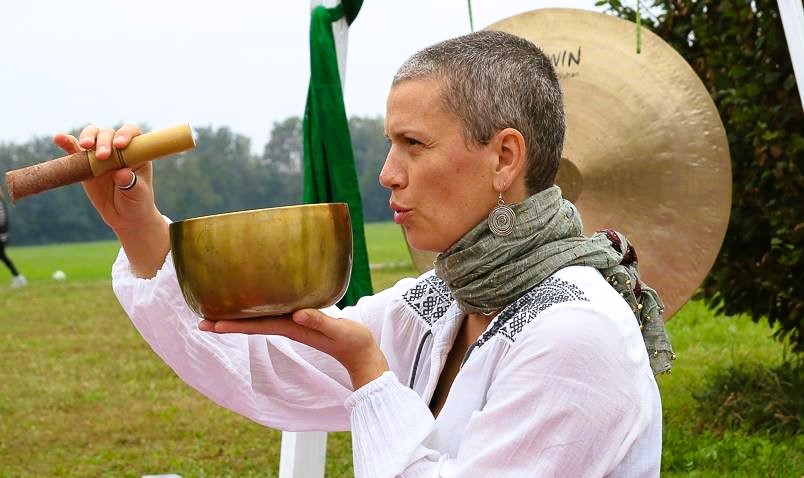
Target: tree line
220	174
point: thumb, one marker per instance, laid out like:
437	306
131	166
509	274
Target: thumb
312	319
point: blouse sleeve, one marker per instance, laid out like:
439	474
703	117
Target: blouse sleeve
566	401
271	380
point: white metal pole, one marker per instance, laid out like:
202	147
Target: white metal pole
792	14
304	455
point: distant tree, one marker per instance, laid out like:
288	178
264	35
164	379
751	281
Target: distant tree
282	159
739	51
284	150
283	153
371	148
219	175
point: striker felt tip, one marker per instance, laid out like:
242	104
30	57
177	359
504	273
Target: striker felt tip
48	175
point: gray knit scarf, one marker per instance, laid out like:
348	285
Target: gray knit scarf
486	273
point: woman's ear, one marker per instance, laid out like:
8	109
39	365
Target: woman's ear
509	145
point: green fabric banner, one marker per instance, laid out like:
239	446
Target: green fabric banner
329	165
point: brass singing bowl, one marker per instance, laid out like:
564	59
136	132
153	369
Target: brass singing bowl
263	262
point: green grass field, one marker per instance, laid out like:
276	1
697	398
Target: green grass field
82	395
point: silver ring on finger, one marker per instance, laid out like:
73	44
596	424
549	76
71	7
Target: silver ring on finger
131	183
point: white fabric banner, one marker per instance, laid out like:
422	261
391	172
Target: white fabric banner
792	14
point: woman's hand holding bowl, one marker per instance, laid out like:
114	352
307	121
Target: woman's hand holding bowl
347	341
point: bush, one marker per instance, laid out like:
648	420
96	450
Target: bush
753	398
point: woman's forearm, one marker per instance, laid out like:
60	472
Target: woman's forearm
146	247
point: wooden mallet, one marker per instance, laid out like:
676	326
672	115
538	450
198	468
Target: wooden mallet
84	165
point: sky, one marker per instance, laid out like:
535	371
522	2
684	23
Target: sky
237	63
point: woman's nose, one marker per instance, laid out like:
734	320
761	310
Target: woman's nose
392	175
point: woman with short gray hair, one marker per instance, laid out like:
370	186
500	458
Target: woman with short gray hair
530	350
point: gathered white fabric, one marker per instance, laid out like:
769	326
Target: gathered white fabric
558	385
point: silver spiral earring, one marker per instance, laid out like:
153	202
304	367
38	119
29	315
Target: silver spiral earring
502	218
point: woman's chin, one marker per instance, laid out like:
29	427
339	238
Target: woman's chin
422	244
424	239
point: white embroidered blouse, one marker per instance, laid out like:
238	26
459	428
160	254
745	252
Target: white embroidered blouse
558	385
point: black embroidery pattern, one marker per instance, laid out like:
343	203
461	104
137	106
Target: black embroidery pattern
525	309
429	298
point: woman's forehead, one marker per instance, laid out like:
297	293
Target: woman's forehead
416	103
412	93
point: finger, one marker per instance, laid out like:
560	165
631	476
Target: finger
267	326
103	143
87	137
125	179
316	320
67	142
122	137
280	325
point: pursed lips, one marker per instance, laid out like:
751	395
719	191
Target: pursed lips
401	213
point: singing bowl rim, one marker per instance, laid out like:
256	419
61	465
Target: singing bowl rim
214	294
322	205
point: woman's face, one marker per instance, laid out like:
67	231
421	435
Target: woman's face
440	188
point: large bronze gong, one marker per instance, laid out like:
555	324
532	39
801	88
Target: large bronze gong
645	150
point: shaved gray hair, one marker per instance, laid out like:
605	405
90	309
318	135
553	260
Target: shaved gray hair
494	80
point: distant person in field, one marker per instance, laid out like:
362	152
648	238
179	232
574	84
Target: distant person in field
18	280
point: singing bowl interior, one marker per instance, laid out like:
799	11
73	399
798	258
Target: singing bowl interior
265	261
